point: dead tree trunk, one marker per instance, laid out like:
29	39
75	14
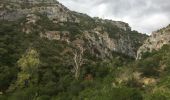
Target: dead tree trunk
78	60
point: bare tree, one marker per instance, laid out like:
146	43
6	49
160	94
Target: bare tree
78	53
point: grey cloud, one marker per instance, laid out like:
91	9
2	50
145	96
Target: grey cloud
142	15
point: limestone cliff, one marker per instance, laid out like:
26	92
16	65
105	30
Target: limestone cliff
155	41
16	9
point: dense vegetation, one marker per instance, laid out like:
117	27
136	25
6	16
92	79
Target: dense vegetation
34	68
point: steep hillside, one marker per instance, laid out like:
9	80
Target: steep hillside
154	68
34	66
101	36
155	41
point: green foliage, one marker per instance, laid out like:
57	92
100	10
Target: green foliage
137	38
152	63
86	22
24	94
109	93
150	67
156	96
28	65
29	62
114	31
6	75
12	45
162	90
44	97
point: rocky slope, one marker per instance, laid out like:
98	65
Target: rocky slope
16	9
100	37
155	41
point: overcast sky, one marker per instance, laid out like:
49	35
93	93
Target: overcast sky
142	15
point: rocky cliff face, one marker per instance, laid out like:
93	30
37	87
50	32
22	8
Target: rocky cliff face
102	37
155	41
16	9
103	45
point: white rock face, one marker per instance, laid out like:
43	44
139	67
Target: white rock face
57	35
101	44
119	24
155	41
16	9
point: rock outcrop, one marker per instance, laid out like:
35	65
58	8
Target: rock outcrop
16	9
155	41
102	45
